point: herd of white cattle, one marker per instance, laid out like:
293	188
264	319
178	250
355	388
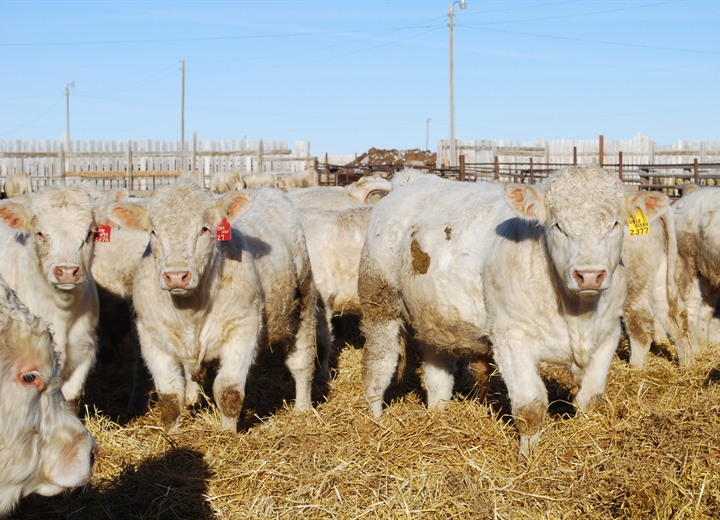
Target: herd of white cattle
517	275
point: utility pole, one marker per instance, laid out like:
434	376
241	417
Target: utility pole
182	108
67	110
463	5
427	134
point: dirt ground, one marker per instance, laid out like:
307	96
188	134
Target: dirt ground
397	158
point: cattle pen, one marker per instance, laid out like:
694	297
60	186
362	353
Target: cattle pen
651	449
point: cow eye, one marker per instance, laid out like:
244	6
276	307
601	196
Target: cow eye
615	226
29	377
560	229
90	236
42	236
204	230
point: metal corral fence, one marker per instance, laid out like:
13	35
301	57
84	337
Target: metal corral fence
646	165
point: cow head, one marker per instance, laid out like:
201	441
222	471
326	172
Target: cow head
59	225
183	221
369	189
584	212
44	448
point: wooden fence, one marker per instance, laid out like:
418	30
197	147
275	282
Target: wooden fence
142	165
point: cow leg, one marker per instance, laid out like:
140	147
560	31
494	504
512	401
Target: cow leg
592	378
384	344
300	361
693	300
526	390
301	357
169	378
707	310
438	376
236	358
84	356
639	324
192	385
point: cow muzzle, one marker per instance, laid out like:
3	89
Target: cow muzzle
178	281
589	281
67	276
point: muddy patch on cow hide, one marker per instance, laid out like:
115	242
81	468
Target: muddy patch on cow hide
420	259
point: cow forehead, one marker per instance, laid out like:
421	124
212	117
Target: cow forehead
584	195
180	206
63	209
22	331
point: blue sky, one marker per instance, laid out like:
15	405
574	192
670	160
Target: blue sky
350	75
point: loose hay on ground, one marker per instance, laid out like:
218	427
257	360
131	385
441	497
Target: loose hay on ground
650	452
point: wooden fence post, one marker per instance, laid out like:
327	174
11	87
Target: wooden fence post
574	155
696	172
497	168
601	152
620	171
461	175
532	172
129	181
62	164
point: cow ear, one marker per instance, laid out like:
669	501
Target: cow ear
528	202
102	206
131	216
15	216
233	204
653	204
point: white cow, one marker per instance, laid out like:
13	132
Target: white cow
260	180
223	276
47	243
44	448
654	309
18	184
529	274
366	190
334	241
302	179
224	181
697	216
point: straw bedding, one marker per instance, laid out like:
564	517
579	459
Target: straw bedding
652	451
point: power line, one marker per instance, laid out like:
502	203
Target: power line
326	58
56	103
207	38
601	42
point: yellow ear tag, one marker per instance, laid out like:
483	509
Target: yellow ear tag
639	225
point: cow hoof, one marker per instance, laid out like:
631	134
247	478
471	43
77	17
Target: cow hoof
376	408
192	393
229	424
169	408
528	444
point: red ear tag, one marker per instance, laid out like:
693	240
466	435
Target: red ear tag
223	231
103	233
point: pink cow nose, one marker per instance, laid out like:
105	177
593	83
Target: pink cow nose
177	279
67	274
589	280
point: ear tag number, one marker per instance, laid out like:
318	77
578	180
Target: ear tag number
639	224
224	232
103	233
